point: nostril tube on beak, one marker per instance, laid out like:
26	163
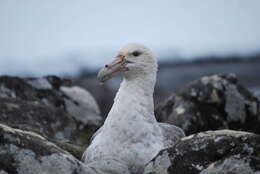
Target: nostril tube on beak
111	69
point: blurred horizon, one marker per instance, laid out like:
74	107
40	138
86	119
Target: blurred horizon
59	37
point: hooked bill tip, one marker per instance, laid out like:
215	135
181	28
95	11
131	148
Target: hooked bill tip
102	75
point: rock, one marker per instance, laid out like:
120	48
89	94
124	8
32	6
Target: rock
231	165
212	103
211	152
82	106
104	94
49	106
25	152
48	121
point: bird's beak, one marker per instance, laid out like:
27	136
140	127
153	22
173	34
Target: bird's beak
112	69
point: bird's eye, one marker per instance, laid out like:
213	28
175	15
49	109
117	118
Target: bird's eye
136	53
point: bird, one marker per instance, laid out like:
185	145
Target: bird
131	135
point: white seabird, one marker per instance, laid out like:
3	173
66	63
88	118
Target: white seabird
131	136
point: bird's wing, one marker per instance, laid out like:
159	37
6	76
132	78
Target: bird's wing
172	134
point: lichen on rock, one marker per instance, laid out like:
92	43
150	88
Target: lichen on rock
211	152
50	106
212	103
25	152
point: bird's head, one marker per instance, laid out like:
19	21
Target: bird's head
132	61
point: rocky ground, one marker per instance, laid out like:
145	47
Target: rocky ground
45	124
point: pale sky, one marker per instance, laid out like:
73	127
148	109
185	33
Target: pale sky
57	36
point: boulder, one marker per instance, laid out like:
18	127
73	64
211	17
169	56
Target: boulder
50	106
212	103
211	152
104	94
26	152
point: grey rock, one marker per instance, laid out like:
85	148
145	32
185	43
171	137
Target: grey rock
211	152
104	94
212	103
50	106
82	106
51	122
40	83
233	164
235	105
25	152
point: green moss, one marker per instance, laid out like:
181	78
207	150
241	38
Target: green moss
75	150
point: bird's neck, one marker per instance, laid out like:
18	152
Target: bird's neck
134	98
